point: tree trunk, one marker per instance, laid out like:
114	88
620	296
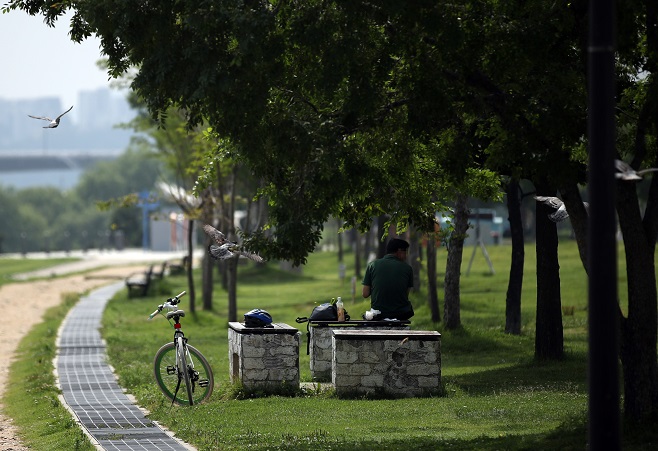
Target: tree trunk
578	216
414	255
188	269
340	241
367	245
639	364
549	339
432	293
515	283
207	261
639	329
451	302
232	263
232	272
381	224
357	254
207	264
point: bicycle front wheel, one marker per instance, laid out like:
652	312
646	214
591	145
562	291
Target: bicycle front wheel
166	369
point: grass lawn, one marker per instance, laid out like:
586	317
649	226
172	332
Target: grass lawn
496	396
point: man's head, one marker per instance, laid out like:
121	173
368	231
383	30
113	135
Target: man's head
398	248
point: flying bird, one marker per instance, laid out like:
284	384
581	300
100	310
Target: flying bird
225	249
626	172
215	234
560	213
229	250
53	122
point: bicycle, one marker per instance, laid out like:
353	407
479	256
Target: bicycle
179	363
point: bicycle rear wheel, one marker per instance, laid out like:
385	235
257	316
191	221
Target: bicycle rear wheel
165	368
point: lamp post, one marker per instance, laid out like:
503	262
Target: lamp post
604	416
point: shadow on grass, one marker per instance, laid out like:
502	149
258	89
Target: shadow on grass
568	437
490	344
571	435
567	375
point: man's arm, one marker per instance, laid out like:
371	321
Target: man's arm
365	291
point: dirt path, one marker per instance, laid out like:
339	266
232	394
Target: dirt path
27	302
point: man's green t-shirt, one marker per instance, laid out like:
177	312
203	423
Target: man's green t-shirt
389	280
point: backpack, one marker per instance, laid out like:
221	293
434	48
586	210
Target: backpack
323	312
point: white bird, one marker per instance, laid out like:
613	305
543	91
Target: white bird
560	213
53	122
225	249
626	172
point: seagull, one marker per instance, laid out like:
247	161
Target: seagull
626	172
53	122
225	249
561	210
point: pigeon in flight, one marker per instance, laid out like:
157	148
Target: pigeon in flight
53	122
229	250
225	249
215	234
560	213
626	172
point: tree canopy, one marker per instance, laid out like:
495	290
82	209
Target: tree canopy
358	108
336	106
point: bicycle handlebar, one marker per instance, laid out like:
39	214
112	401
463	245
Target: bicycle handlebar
170	304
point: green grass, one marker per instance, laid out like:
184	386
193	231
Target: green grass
496	396
11	266
31	399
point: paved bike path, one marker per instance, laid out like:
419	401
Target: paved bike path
90	389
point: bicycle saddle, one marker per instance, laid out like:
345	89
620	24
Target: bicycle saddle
179	313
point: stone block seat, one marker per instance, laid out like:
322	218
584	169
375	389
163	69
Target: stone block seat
320	345
395	363
264	357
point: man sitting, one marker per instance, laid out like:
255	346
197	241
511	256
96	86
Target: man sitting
388	280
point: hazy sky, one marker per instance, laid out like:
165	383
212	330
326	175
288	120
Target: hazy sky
40	61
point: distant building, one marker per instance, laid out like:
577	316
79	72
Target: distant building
101	108
170	233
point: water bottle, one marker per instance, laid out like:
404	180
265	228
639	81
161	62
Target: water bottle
341	310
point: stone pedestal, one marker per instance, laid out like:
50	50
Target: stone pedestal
262	357
388	363
320	344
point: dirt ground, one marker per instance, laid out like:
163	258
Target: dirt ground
25	304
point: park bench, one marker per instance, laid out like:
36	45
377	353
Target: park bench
138	284
178	268
390	363
160	274
319	344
